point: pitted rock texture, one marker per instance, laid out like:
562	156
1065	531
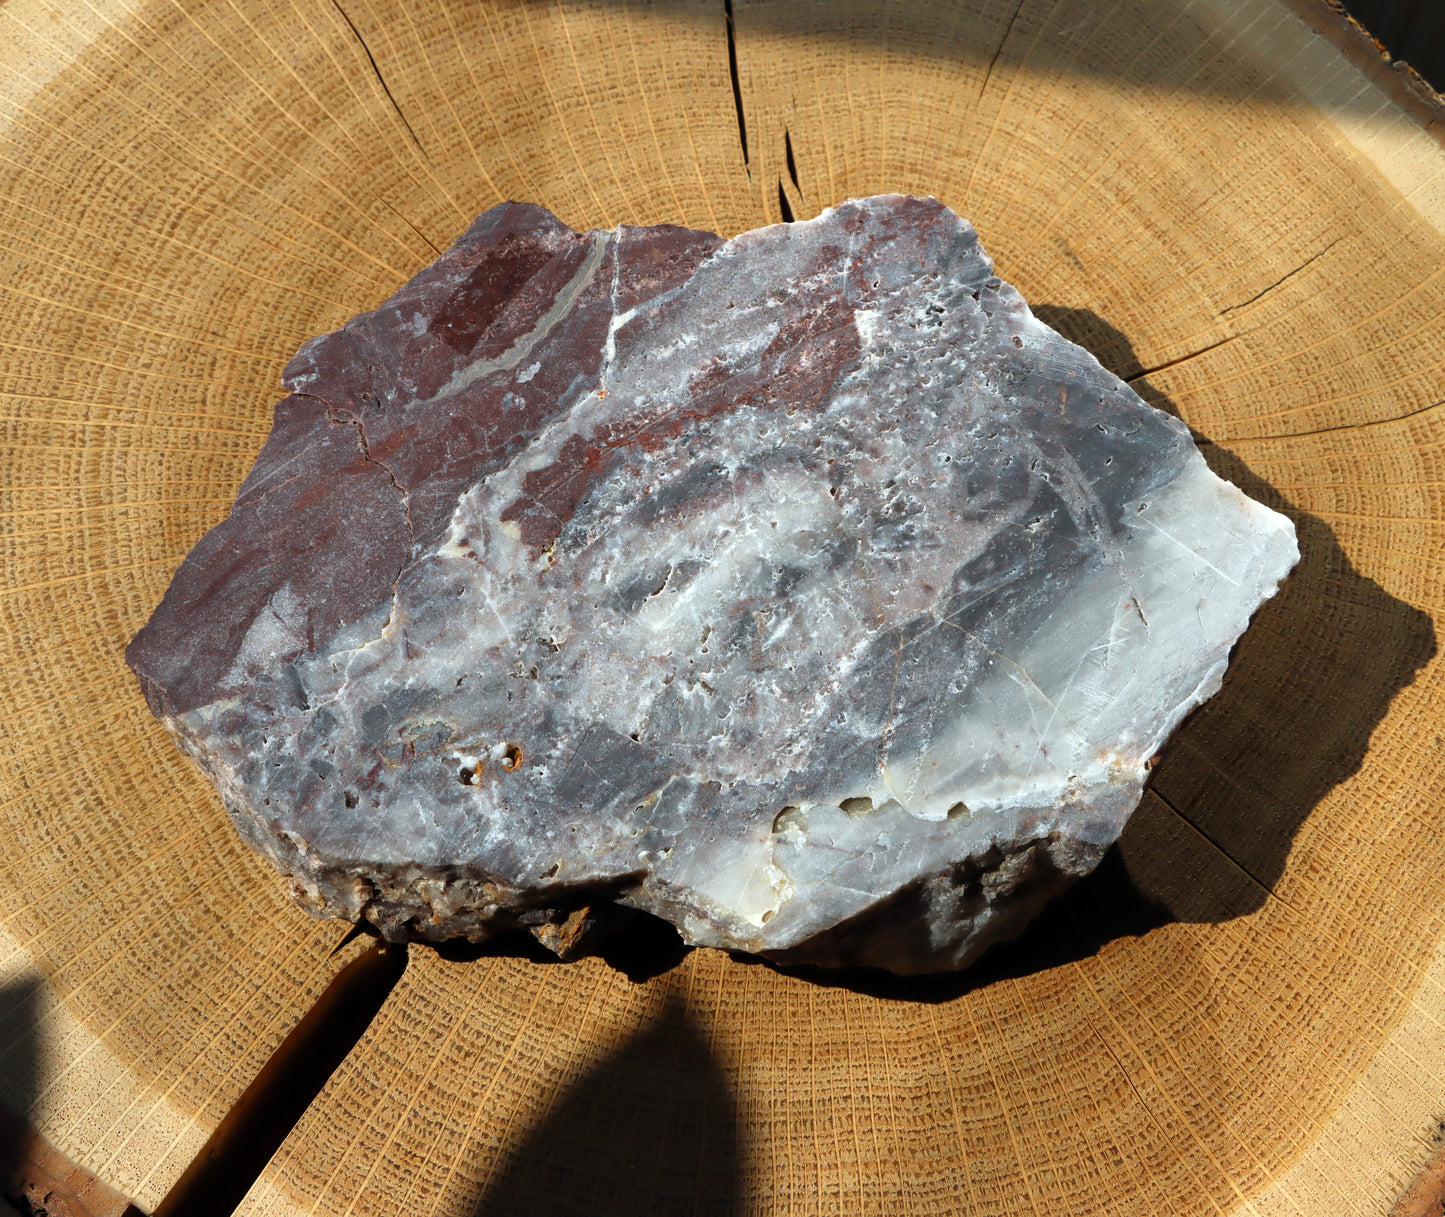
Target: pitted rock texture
802	588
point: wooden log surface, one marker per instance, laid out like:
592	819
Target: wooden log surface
1243	1013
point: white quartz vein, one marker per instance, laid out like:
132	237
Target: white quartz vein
519	350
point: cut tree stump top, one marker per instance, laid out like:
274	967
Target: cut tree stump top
1230	202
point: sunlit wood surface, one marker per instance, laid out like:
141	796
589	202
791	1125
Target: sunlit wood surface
1218	203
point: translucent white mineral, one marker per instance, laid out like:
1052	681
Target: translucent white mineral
802	589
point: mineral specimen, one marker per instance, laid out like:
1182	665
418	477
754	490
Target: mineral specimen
802	588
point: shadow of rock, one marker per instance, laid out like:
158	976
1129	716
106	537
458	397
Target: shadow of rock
19	1084
642	948
512	944
36	1180
645	948
651	1129
1307	684
1104	905
1101	41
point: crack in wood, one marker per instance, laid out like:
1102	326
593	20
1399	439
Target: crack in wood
1224	853
1374	422
248	1135
1008	29
1303	265
1174	363
783	205
385	88
737	83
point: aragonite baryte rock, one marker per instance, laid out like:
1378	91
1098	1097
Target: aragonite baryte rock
803	589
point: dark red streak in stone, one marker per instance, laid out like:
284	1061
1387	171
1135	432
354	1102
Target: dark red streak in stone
485	293
550	495
363	467
800	365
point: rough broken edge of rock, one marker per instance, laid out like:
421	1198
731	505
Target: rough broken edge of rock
390	483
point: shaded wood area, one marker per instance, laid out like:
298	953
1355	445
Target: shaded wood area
1242	1012
1411	31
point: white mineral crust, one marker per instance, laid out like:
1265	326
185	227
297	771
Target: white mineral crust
863	679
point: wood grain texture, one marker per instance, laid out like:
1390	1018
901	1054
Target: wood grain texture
191	188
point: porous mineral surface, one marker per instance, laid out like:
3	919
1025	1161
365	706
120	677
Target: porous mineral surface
802	589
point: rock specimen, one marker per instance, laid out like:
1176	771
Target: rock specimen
803	589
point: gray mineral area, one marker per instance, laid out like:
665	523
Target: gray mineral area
827	604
